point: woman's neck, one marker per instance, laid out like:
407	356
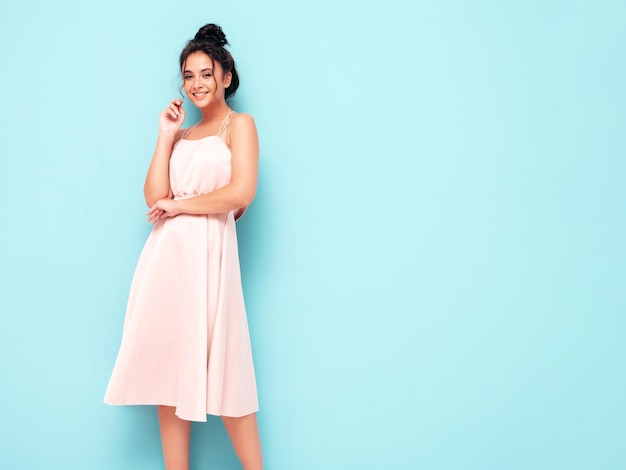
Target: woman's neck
216	113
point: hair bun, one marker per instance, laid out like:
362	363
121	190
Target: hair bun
211	33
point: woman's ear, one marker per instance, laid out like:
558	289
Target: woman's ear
228	78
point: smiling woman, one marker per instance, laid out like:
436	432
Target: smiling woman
186	346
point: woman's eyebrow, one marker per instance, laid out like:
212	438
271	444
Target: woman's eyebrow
203	70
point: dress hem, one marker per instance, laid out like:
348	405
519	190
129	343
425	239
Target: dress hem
194	419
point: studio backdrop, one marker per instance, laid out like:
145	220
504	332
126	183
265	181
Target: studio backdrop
434	265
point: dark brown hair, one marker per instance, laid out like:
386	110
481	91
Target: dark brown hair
211	40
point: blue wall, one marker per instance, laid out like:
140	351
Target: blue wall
434	265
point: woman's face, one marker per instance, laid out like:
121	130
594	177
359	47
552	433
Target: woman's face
204	80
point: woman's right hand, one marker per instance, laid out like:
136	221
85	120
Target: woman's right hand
172	118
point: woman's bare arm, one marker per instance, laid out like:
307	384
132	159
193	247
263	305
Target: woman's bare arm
238	193
157	184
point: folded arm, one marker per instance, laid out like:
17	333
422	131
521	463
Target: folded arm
240	192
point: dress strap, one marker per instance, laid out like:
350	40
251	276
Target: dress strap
187	131
225	122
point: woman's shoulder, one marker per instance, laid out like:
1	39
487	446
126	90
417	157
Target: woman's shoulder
241	129
242	122
181	133
241	118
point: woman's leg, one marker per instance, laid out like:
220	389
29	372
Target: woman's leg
244	434
175	435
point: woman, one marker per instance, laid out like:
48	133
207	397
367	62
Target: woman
185	345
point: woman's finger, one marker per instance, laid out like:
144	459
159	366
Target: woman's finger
173	112
151	214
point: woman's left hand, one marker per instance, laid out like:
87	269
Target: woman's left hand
162	209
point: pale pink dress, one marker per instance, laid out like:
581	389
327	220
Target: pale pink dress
185	341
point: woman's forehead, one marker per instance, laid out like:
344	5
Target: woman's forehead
199	61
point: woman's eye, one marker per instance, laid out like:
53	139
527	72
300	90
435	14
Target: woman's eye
207	75
187	77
